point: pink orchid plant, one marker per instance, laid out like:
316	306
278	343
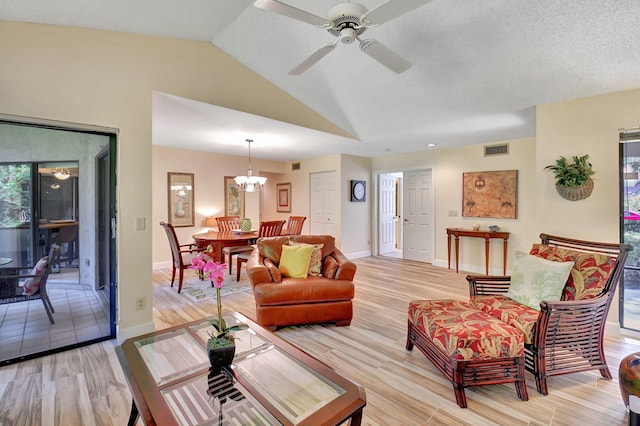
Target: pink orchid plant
214	271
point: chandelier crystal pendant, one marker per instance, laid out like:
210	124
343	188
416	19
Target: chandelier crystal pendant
250	183
62	173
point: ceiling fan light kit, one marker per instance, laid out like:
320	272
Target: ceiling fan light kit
347	21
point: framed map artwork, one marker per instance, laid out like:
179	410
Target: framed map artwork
490	194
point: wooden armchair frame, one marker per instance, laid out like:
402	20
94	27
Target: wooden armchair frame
568	335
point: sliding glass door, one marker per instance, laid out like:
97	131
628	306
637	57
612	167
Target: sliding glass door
630	227
16	209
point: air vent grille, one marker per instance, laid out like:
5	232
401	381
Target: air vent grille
491	150
295	166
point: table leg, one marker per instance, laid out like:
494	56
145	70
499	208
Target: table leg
457	252
356	419
448	251
133	417
486	256
504	258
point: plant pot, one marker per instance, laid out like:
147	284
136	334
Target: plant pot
220	356
575	193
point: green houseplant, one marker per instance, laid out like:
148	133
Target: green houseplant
221	345
573	179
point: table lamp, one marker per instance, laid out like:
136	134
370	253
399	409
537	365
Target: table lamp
210	222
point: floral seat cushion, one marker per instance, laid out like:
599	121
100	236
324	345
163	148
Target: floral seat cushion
464	332
588	275
509	311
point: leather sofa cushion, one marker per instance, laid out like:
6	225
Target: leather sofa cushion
303	290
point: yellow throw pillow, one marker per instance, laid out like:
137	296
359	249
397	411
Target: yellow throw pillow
294	261
315	261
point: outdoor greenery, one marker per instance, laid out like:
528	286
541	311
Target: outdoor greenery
571	174
15	187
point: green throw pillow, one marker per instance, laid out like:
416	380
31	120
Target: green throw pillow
535	279
294	262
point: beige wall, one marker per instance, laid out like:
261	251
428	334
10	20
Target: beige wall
107	79
209	170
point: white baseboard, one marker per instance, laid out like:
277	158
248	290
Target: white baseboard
161	265
129	332
359	254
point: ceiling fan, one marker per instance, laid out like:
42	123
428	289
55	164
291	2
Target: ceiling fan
347	21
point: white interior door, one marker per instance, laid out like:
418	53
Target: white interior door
387	214
323	203
418	216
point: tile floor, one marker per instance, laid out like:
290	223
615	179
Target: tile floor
80	315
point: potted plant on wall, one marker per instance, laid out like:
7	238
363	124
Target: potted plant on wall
573	179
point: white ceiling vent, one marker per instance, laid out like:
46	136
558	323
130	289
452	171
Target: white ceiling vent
295	166
491	150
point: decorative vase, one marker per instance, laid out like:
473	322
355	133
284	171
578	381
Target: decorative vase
575	193
220	356
629	380
245	224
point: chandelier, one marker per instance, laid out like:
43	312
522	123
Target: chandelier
62	173
250	183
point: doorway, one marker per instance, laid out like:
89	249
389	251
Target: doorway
405	215
81	315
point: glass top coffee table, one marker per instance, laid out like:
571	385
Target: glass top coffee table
270	381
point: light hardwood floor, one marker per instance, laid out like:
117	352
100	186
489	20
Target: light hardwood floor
86	386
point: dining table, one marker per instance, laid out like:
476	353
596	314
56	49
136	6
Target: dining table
221	239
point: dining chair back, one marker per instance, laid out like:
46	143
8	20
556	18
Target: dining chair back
180	253
294	225
271	228
228	223
66	239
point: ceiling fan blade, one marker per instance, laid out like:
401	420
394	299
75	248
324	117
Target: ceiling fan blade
385	56
290	11
391	9
315	57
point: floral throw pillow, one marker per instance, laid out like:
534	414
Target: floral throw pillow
535	279
31	285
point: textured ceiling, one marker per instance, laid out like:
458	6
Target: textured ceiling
479	67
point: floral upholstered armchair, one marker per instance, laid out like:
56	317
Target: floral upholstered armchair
562	334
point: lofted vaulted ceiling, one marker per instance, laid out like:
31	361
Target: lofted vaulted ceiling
479	67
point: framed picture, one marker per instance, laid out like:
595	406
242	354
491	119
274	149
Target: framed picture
180	190
233	198
490	194
284	197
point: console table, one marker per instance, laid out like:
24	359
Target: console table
487	235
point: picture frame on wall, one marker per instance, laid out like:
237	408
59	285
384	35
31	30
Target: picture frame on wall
283	191
491	194
233	198
180	191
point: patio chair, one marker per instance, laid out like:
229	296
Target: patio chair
181	254
16	285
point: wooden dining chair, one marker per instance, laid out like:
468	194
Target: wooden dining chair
294	225
181	254
228	223
267	229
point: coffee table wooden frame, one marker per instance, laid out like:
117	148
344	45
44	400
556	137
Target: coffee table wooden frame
150	405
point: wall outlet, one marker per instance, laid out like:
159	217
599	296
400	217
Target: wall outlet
140	303
453	213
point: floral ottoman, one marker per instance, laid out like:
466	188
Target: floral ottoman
468	346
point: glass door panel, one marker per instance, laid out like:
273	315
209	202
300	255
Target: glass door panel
16	232
630	232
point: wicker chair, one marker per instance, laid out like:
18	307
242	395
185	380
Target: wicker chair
180	253
567	336
16	285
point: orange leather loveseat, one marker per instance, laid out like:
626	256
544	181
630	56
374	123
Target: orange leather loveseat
323	297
